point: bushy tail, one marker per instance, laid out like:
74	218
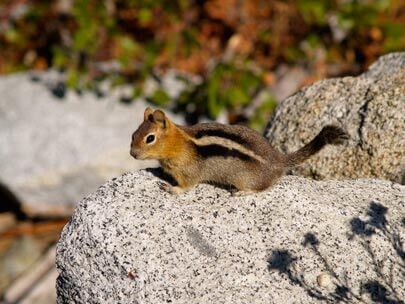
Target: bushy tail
329	135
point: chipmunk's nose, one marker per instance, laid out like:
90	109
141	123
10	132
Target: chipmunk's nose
133	152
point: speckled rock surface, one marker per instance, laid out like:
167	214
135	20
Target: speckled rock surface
370	107
130	242
57	146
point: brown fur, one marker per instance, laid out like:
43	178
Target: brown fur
224	154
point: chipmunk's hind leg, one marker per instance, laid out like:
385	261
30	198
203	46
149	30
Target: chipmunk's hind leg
247	185
258	182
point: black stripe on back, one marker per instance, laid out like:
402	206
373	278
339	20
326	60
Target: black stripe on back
220	151
221	133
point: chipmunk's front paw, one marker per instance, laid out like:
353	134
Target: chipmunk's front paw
177	190
169	188
164	186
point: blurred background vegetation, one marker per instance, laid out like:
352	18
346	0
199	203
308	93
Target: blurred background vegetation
233	46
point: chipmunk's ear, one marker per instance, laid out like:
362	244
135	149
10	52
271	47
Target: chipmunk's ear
147	114
160	118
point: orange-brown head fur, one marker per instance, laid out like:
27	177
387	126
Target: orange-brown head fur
157	137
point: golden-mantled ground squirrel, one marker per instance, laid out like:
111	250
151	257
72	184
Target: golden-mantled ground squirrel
231	155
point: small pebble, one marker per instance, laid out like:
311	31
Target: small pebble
324	280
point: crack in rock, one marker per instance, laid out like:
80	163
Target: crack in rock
363	111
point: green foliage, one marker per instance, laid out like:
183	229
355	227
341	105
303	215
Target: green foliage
262	114
140	36
315	11
227	86
351	14
160	97
358	15
129	48
395	40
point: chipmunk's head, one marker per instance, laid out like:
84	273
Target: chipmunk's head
149	141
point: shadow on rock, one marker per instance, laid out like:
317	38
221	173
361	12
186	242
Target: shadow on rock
10	203
283	261
376	222
159	173
379	291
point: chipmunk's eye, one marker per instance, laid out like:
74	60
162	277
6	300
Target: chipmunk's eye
150	138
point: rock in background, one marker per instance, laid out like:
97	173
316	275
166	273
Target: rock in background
333	241
57	146
370	107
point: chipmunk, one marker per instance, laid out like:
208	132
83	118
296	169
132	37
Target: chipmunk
231	155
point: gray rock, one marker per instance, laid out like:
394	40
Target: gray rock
130	242
370	107
54	151
389	64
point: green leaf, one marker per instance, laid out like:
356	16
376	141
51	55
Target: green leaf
129	49
137	92
236	96
262	113
144	15
314	11
395	37
73	78
160	97
59	59
14	36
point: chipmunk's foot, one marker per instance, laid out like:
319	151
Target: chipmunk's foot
171	189
177	190
164	186
243	192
